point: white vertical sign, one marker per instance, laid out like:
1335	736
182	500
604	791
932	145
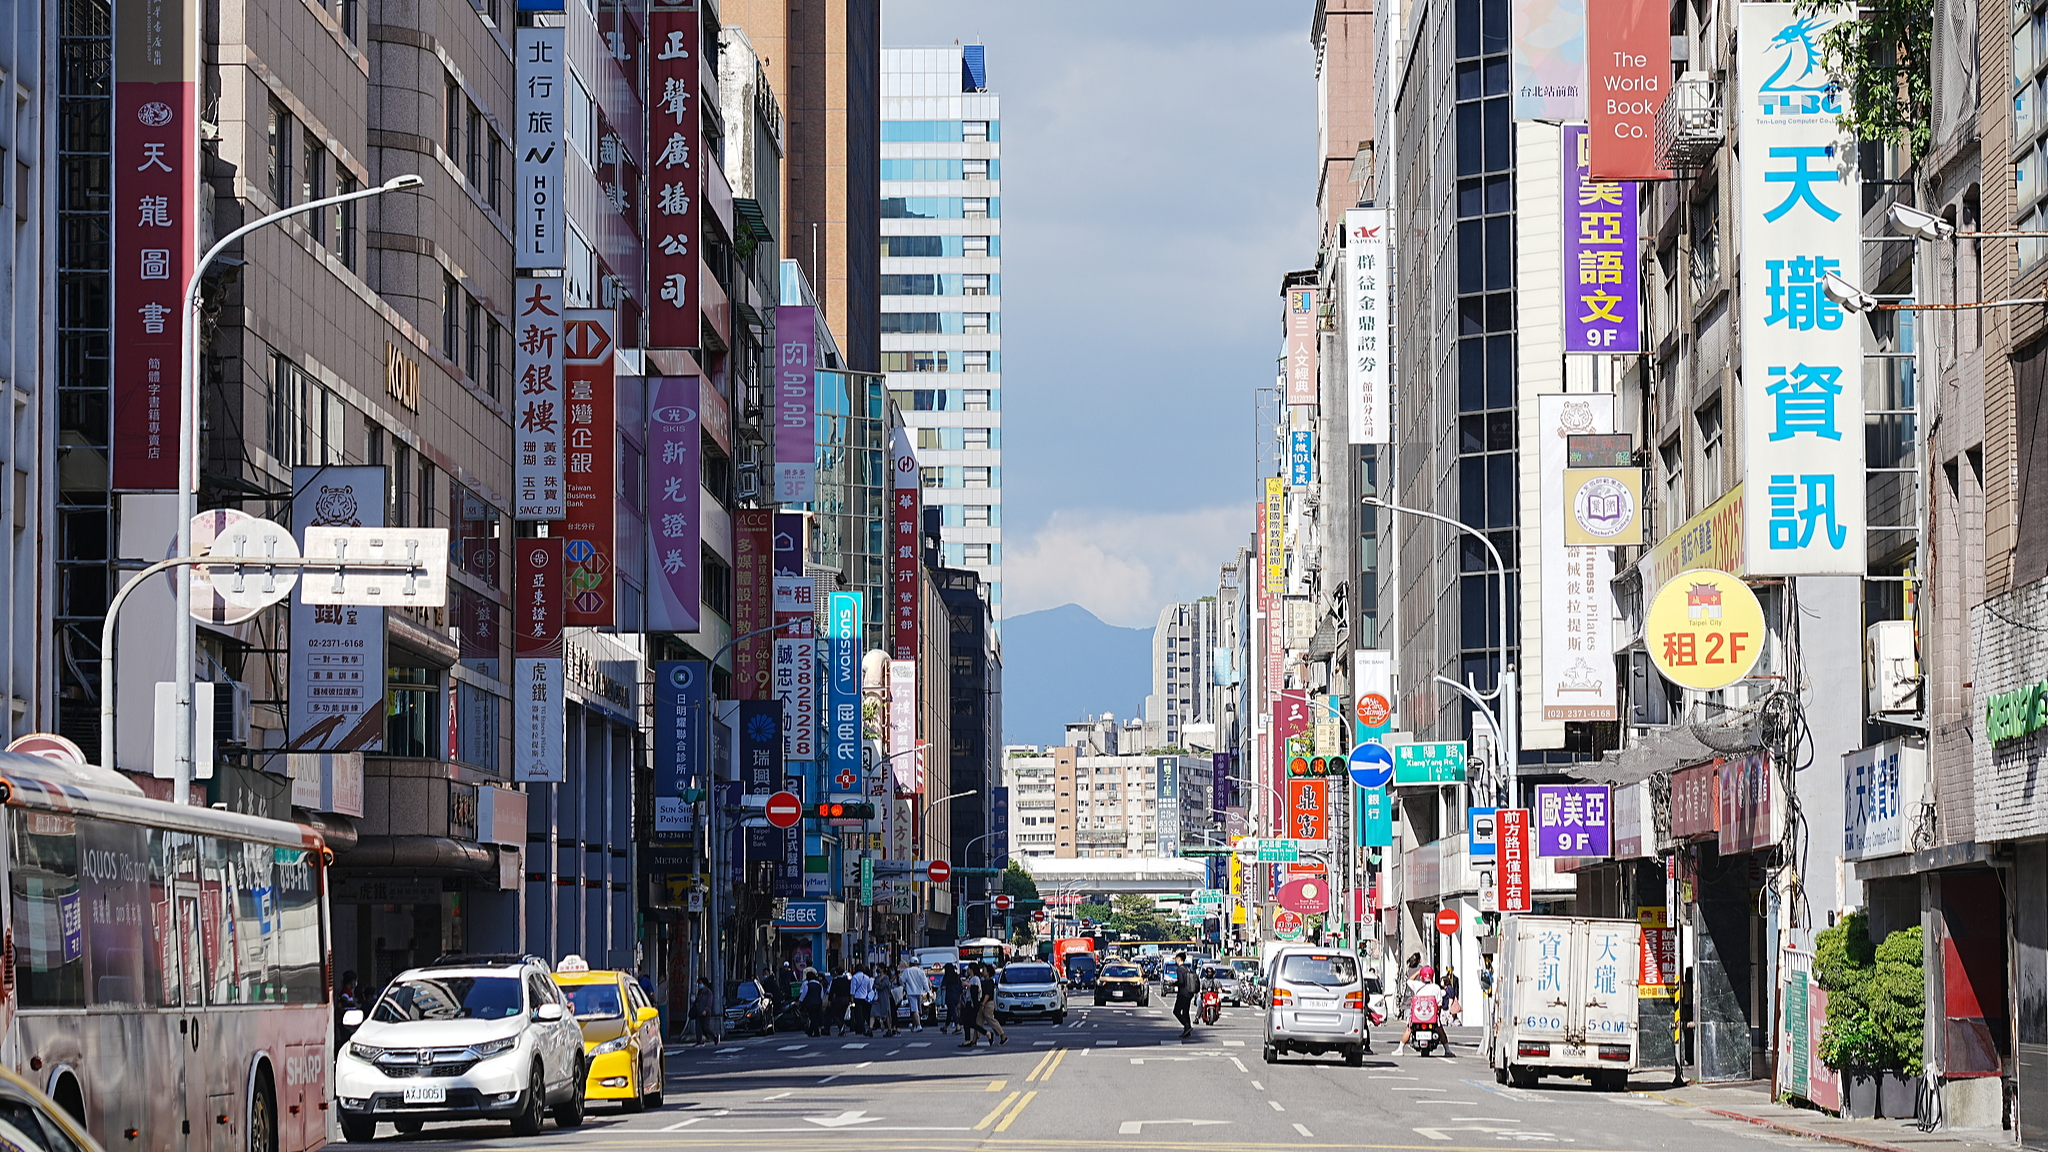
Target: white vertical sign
796	669
538	708
337	663
539	146
1802	356
539	410
1577	582
1367	351
903	726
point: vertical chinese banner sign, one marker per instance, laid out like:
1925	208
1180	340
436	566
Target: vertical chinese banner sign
1301	346
537	711
753	607
842	662
1577	675
905	499
902	727
1308	809
1367	352
796	666
1802	357
1602	267
1290	719
540	490
675	558
682	691
674	189
155	179
540	147
1628	69
1511	847
337	664
796	404
589	544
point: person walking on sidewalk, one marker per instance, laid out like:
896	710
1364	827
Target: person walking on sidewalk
916	987
1186	986
837	1001
887	994
952	989
811	995
988	1022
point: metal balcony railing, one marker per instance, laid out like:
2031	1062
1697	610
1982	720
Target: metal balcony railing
1691	123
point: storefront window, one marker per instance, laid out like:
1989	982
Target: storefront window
409	713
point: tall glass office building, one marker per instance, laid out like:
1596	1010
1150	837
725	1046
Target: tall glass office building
942	294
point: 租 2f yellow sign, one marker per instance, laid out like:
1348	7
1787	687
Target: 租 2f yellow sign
1705	629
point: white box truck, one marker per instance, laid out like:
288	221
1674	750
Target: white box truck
1565	1000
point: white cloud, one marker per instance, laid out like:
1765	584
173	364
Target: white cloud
1122	565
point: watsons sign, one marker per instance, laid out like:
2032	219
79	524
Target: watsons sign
2020	712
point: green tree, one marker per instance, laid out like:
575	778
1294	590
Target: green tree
1099	913
1018	883
1882	55
1135	916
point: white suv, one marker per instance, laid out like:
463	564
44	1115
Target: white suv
464	1038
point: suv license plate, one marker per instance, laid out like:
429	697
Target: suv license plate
425	1094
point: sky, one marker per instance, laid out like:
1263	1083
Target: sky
1158	179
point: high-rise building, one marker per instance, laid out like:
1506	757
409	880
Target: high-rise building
1183	668
821	57
941	261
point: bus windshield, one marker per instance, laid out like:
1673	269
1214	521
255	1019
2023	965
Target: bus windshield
449	998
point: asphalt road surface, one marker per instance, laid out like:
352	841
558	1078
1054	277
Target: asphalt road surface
1115	1078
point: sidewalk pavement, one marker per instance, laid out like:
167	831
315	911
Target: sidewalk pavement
1751	1102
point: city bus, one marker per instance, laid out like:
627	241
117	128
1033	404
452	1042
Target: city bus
984	950
168	982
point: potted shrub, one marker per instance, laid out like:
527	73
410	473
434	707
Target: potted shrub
1851	1042
1896	998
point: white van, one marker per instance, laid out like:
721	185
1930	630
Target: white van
1315	1003
1565	1000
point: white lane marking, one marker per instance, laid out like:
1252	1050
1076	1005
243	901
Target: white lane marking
1259	1086
680	1125
1233	1043
1418	1089
777	1096
1305	1132
792	1048
829	1079
1461	1103
1107	1043
1240	1064
1041	1043
921	1044
1393	1077
864	1064
855	1044
1276	1106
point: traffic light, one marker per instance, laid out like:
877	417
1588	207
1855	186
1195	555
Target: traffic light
837	810
1314	767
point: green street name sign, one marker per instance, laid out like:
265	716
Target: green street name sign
1429	763
1278	851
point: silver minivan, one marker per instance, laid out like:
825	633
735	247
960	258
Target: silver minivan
1315	1004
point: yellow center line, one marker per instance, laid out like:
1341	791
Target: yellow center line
1042	1062
996	1111
1012	1117
996	1085
1059	1055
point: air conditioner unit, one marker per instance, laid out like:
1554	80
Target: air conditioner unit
230	712
1893	668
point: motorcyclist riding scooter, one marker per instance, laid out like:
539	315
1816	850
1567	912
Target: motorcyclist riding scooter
1425	1013
1211	1008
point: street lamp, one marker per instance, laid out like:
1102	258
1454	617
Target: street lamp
1505	719
188	473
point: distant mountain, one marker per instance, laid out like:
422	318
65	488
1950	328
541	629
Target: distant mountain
1063	664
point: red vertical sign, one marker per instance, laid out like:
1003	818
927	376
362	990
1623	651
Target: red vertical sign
674	186
155	210
589	547
753	603
1628	68
909	513
1290	718
1511	839
1308	809
537	598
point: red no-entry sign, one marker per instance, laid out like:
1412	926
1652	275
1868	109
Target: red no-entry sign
785	810
1004	902
939	871
1447	921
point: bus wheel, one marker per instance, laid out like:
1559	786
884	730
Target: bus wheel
262	1118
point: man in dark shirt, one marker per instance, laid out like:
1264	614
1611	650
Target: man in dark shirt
1186	985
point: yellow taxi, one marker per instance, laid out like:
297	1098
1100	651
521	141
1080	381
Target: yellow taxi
621	1034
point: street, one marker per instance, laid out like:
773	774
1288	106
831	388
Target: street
1118	1078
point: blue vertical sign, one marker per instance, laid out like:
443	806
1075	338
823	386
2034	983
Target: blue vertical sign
1301	458
681	695
1375	823
843	617
998	827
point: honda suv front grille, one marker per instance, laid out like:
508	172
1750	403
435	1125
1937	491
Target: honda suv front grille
412	1063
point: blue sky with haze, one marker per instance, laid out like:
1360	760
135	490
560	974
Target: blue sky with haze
1158	178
